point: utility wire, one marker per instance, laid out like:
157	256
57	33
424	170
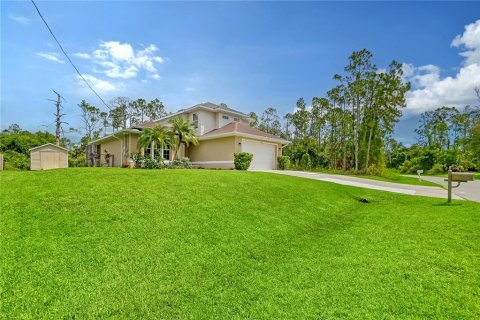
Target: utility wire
66	55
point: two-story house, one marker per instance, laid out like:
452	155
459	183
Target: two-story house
221	132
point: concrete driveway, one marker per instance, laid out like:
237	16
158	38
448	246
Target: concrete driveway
469	190
435	192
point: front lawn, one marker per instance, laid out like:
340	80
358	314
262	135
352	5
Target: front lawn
120	243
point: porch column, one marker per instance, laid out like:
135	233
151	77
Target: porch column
152	148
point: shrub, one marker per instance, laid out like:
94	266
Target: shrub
374	170
242	160
436	169
284	162
457	168
180	164
138	159
306	161
150	163
411	166
16	161
77	162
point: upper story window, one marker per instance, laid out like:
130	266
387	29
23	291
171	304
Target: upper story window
224	117
236	119
195	120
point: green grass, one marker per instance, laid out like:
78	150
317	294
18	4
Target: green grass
119	243
387	176
397	178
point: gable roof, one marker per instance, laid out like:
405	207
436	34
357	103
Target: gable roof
236	128
114	135
50	145
220	107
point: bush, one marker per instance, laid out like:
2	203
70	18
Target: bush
150	163
306	161
138	159
242	160
77	162
436	169
180	164
16	161
374	170
284	162
457	168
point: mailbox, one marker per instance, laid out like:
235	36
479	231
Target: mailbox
462	176
457	177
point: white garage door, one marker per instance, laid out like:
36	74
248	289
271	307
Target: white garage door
263	154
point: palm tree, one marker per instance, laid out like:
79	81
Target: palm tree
151	136
182	131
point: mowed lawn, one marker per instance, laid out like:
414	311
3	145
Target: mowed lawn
120	243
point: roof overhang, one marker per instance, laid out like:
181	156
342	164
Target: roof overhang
202	107
48	144
244	135
115	135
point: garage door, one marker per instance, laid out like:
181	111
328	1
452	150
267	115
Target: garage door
263	154
49	160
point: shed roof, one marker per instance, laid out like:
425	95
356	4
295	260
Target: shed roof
49	144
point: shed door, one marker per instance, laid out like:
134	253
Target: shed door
49	160
263	154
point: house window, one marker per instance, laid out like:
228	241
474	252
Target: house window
195	120
166	152
236	119
148	151
224	117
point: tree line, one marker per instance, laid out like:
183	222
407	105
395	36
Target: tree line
349	128
344	129
123	114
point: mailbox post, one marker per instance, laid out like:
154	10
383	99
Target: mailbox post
419	172
457	177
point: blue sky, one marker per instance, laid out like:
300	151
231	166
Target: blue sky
249	55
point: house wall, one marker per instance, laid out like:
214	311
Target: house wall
215	153
114	147
132	144
223	122
206	121
52	158
218	153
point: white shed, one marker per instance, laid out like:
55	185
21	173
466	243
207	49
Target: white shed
48	156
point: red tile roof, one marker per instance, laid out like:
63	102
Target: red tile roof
235	127
147	124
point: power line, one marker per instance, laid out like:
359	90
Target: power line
66	55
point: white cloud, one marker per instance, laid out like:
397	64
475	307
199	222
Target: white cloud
470	40
101	86
20	19
52	56
431	91
155	76
82	55
121	61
